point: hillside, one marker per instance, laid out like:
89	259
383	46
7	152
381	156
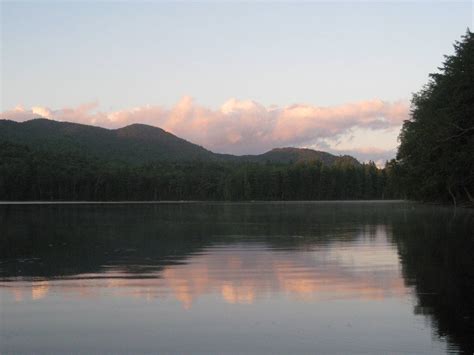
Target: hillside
138	144
295	155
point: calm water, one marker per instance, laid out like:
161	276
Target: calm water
236	278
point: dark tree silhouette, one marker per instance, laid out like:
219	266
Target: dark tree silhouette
436	152
30	174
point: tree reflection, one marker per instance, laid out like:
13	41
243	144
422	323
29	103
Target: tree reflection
436	248
57	240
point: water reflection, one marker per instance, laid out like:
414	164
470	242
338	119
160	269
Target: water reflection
250	256
241	272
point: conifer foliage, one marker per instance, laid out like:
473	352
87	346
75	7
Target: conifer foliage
436	153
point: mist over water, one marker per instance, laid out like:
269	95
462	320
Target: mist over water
322	277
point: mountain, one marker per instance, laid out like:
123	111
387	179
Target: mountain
139	143
295	155
136	143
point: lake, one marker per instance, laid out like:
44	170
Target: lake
262	278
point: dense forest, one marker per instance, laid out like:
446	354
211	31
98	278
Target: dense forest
435	160
28	174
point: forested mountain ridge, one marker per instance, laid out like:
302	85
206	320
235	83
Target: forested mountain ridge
135	144
47	160
138	144
295	155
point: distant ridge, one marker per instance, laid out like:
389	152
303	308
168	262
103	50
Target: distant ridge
295	155
140	143
136	143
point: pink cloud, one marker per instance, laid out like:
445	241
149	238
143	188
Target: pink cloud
238	126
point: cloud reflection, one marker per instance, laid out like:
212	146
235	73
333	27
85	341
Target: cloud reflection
242	273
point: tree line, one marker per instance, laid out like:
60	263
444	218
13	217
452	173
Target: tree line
28	174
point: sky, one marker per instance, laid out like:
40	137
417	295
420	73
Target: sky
234	77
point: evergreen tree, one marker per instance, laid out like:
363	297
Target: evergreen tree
436	150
